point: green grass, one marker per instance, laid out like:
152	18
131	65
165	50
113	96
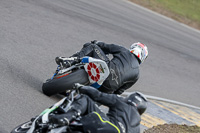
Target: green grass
185	11
186	8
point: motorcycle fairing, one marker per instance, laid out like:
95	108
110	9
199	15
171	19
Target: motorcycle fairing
97	70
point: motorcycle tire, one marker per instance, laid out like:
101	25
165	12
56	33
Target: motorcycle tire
55	86
23	128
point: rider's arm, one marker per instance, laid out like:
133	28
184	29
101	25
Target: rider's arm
103	98
87	50
110	48
123	88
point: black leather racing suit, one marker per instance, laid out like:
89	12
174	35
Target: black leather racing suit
124	66
121	117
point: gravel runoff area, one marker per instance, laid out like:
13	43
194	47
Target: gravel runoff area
173	128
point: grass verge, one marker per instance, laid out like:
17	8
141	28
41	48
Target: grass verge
184	11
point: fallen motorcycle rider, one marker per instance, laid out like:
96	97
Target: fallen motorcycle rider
123	115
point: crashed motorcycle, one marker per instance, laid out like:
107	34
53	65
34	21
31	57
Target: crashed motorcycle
42	123
89	71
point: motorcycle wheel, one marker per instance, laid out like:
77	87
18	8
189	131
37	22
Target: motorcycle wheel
23	128
55	86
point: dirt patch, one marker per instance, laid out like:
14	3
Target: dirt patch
153	5
173	128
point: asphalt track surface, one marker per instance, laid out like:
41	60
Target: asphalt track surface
34	32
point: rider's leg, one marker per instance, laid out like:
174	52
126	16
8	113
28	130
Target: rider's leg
96	123
88	49
92	50
85	105
81	105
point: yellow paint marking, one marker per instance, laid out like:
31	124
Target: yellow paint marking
150	121
181	111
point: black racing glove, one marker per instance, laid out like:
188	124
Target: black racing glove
90	91
119	91
65	119
59	119
85	89
94	41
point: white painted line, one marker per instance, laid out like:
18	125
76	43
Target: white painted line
166	100
170	19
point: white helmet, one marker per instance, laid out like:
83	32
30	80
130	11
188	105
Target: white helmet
140	50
